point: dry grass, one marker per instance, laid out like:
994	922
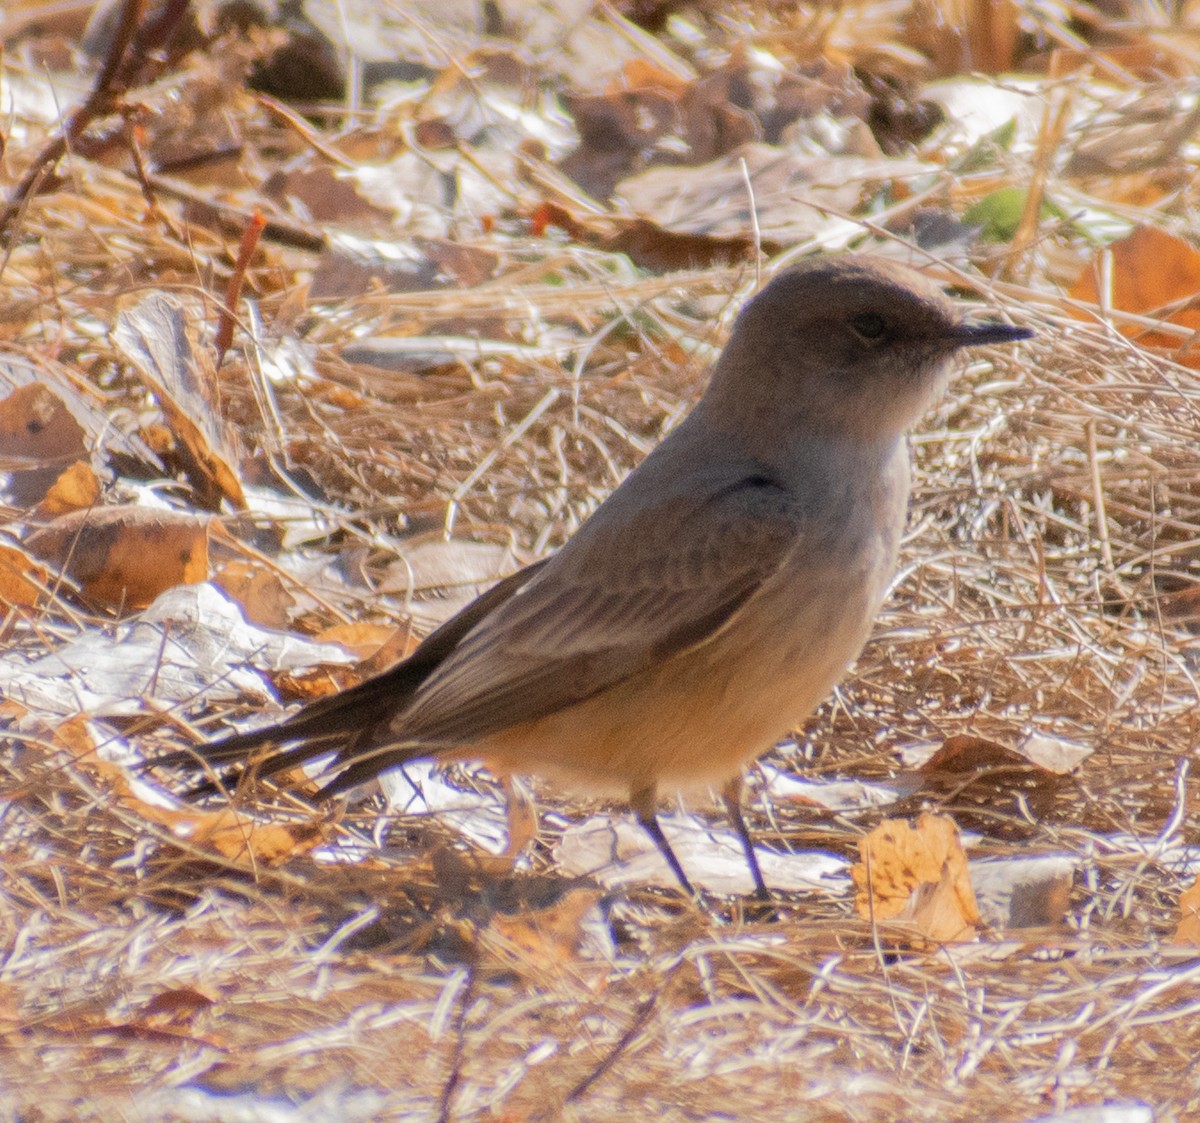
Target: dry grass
1055	537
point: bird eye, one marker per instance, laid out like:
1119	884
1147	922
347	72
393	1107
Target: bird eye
869	325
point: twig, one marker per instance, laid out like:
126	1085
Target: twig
233	290
104	92
640	1019
455	1077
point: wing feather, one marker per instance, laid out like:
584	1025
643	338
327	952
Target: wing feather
597	614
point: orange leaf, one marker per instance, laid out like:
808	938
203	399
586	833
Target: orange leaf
1188	931
21	578
641	74
125	556
38	438
75	490
259	591
177	1007
363	639
918	874
1152	273
238	837
37	430
541	942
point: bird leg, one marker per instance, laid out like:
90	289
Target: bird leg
732	795
644	803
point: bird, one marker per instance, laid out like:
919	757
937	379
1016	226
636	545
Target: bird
711	602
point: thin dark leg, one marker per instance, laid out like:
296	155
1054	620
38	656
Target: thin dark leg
732	794
645	806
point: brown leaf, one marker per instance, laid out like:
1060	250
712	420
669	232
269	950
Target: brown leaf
22	580
38	439
226	831
1187	932
364	640
75	490
542	942
713	200
664	251
1024	892
936	910
158	338
965	753
646	243
125	556
318	195
898	858
36	429
177	1007
245	840
643	74
259	590
399	645
1153	272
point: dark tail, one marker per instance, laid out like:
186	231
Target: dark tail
362	726
353	724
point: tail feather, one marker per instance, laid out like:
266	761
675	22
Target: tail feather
361	726
343	724
366	766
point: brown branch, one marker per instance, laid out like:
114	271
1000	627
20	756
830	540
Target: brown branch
99	101
230	219
131	42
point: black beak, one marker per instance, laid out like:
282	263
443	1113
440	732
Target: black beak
972	333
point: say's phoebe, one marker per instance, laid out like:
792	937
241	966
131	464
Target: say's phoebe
714	599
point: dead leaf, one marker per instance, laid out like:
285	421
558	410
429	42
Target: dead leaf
1025	892
76	489
344	272
319	195
123	557
177	1008
1153	273
898	858
38	439
651	247
399	644
37	430
643	74
193	642
259	590
442	575
363	640
835	795
226	831
1187	932
965	753
242	839
22	580
713	200
157	336
542	942
935	910
1054	754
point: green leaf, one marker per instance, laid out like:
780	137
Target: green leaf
999	214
